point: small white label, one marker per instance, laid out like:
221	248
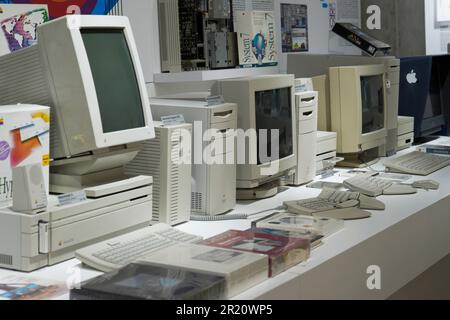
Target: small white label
72	198
301	88
173	120
215	100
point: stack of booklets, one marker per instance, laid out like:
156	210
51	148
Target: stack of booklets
439	148
302	225
242	270
283	251
140	281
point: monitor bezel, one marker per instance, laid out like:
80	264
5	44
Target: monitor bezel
249	86
352	140
77	128
103	140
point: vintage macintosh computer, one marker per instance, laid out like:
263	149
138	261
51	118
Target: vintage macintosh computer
90	75
167	158
317	67
264	103
424	85
306	130
213	182
358	113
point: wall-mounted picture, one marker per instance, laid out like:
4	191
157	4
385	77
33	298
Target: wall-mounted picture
294	27
58	8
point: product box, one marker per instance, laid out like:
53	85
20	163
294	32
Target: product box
284	252
304	225
256	38
242	270
141	281
24	140
18	24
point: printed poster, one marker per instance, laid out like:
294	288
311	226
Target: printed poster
59	8
18	24
294	28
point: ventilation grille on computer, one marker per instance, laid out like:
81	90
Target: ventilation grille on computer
169	35
196	201
148	162
174	180
6	260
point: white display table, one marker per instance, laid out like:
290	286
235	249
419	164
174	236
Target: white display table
406	239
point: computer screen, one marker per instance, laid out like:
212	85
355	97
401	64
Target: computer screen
372	103
433	107
274	112
114	76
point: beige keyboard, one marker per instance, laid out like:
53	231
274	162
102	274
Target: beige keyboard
417	163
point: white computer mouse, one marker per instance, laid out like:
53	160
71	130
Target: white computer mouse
426	185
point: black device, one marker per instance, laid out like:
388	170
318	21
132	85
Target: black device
422	94
360	39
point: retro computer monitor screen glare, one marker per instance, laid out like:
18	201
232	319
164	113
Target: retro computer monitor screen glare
115	79
372	103
273	110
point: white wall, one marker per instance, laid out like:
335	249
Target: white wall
433	33
143	15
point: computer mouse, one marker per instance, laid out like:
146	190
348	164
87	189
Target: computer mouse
426	185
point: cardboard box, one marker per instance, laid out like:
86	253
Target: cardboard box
256	38
24	140
18	23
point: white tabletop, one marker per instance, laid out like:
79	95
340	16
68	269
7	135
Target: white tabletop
347	244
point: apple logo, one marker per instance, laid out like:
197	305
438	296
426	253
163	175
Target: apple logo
411	77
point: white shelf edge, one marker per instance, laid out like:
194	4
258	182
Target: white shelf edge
211	75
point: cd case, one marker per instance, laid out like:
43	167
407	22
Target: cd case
140	281
303	225
284	252
242	270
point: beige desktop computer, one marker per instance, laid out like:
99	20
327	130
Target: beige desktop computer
358	113
317	67
266	108
100	112
213	183
167	158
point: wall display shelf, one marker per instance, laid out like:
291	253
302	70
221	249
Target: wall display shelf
211	75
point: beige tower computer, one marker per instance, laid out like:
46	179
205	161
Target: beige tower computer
306	130
167	158
213	182
358	112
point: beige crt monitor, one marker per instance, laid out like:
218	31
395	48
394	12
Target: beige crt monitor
358	112
264	103
87	69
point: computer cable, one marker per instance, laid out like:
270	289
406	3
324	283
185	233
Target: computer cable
229	217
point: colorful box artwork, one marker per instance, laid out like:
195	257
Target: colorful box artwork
58	8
